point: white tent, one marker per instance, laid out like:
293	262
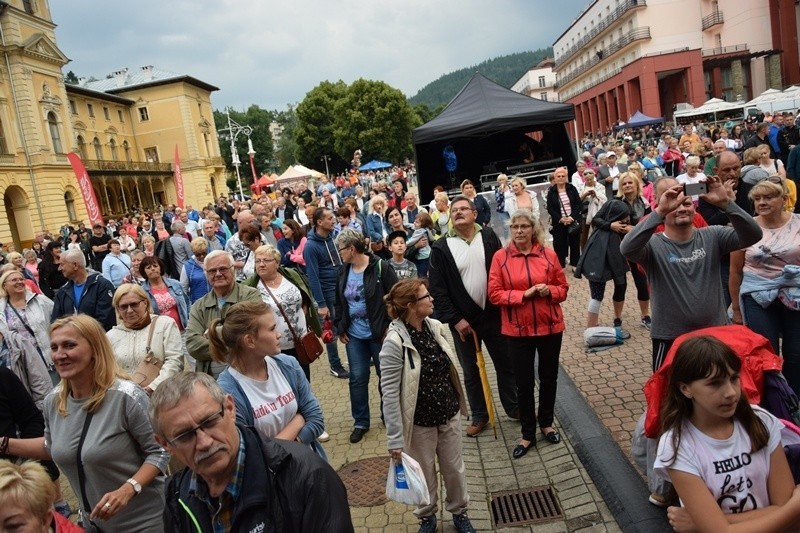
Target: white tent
770	95
308	171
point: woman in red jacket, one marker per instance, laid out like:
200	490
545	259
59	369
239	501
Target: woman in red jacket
526	280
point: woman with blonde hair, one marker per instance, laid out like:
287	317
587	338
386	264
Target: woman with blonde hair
500	202
422	398
119	480
592	199
521	198
630	192
138	329
17	262
269	388
440	215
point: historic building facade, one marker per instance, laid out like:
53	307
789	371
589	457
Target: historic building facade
538	82
620	56
124	127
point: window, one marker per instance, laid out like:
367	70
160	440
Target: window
143	115
127	149
541	82
29	6
208	145
82	147
543	96
112	144
90	107
106	114
55	136
73	108
69	202
3	143
98	149
151	154
120	115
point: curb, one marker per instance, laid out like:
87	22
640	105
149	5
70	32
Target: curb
618	482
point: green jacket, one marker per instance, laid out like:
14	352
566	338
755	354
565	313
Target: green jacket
299	280
205	310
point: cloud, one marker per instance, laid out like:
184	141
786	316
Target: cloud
272	53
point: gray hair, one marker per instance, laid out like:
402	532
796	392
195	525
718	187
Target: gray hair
74	255
173	390
177	227
268	249
216	253
693	160
538	230
351	237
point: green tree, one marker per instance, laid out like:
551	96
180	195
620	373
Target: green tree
259	120
71	78
376	118
286	149
315	126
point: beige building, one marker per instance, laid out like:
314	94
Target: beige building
539	82
124	127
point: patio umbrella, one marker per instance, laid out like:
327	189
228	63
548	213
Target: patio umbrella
487	390
375	165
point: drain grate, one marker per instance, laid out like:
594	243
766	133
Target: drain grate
366	481
519	507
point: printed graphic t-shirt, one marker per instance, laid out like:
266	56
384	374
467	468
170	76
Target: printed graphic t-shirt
273	401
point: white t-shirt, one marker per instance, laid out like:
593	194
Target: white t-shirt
736	478
471	263
273	401
292	302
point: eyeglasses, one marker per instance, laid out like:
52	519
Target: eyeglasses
264	261
518	227
342	249
125	307
221	270
425	296
187	437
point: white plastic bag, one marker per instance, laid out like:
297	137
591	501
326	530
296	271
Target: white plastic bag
406	482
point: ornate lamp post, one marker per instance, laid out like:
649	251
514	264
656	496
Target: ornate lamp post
233	131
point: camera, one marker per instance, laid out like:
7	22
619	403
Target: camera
694	189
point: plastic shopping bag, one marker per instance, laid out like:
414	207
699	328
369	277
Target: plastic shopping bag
406	482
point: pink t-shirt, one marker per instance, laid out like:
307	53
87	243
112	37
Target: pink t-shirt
166	304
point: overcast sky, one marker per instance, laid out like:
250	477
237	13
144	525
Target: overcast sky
272	52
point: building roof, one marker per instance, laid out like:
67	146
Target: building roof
100	95
146	76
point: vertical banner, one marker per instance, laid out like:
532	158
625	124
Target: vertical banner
85	185
178	178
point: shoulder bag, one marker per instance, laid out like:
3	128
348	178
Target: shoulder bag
85	509
148	368
308	347
575	226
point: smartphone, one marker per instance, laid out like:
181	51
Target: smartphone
693	189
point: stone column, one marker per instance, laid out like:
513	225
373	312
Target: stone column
774	78
737	79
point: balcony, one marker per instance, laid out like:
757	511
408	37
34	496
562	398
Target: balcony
709	21
636	35
612	17
723	50
98	167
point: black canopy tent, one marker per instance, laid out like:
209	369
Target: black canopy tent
485	124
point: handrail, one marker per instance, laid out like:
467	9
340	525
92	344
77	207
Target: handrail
705	52
713	19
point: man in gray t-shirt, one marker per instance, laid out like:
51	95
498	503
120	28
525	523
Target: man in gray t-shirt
683	263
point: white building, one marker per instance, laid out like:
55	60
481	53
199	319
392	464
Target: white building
539	82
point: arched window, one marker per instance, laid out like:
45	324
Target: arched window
82	147
112	144
69	201
55	136
127	148
98	149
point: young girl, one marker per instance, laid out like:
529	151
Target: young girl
423	227
723	455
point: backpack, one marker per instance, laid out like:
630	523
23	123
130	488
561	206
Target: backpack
779	399
599	338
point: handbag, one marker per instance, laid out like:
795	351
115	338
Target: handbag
148	368
575	226
308	347
85	509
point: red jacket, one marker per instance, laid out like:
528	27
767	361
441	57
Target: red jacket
511	274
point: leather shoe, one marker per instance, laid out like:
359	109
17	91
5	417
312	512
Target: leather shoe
357	434
475	429
521	449
553	437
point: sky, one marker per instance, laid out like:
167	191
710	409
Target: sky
272	52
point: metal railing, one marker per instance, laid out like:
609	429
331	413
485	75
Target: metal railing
723	50
565	96
636	35
712	20
135	166
612	17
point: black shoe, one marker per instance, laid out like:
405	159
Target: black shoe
357	434
553	437
521	449
340	373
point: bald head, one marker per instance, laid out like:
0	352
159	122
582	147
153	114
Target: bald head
245	217
728	166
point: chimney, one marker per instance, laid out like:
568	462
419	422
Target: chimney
147	72
120	76
82	81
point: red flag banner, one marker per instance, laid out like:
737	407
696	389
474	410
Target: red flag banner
85	185
178	178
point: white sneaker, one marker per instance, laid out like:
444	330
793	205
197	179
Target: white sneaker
324	437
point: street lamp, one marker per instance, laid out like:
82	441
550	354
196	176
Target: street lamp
325	158
234	130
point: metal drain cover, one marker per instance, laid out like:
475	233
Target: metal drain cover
527	506
366	481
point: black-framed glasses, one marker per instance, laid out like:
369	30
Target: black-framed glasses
188	436
425	296
342	249
125	307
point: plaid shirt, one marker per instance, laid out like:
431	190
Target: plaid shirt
221	508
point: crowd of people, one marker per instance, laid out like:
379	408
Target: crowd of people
175	334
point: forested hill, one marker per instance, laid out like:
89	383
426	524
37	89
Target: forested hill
504	70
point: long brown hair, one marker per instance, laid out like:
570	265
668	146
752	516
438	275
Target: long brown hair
698	358
225	335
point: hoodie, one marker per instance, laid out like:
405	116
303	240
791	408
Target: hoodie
322	265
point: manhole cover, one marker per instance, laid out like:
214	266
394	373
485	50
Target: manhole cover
527	506
366	481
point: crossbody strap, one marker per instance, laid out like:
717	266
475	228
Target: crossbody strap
150	334
33	335
280	308
79	463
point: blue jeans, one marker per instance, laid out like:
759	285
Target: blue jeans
778	323
332	347
361	354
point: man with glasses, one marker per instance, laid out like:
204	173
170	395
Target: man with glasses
83	292
459	267
224	292
236	480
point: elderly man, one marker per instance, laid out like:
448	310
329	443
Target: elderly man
210	235
711	162
235	479
411	210
236	247
83	292
608	174
459	267
224	293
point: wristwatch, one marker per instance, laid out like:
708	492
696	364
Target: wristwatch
137	487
